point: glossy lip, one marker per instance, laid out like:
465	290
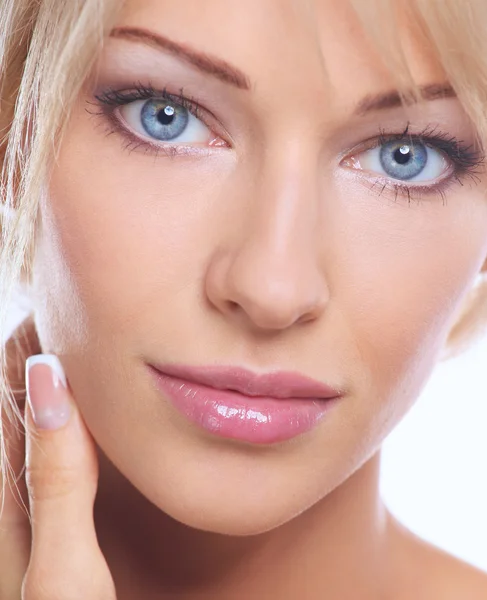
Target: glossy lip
235	403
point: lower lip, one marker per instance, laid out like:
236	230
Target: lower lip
229	414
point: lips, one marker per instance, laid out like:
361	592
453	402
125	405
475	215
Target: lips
235	403
277	384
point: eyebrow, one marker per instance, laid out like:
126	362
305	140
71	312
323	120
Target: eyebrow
392	99
229	74
204	62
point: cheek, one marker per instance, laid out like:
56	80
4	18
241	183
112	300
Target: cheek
405	271
119	233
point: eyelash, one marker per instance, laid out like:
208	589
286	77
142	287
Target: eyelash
468	162
111	99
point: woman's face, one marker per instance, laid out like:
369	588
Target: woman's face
286	217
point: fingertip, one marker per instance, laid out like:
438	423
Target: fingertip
47	395
51	360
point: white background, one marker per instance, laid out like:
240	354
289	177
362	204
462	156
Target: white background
434	466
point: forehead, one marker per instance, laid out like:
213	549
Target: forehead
319	46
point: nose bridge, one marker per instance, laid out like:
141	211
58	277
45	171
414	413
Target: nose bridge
281	224
272	270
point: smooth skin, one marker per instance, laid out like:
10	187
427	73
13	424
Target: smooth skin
266	247
54	553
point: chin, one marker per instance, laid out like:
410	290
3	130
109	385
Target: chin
229	495
242	519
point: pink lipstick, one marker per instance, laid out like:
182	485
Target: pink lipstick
235	403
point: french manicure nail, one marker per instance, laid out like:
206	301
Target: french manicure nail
46	391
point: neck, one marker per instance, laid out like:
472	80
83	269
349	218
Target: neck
338	546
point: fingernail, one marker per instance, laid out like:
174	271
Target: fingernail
46	391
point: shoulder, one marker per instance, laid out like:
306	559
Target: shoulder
454	579
426	572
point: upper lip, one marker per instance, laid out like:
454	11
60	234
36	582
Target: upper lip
276	384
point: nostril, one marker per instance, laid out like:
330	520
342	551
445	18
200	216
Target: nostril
233	306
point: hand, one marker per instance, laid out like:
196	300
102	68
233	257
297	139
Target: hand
49	551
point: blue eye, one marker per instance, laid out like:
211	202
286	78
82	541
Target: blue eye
403	160
162	120
166	121
407	160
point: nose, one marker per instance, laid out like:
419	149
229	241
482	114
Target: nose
268	272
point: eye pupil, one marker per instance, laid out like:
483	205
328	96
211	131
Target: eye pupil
403	155
166	116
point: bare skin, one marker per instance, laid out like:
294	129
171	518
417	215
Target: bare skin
411	568
267	245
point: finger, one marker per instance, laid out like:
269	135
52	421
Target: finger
62	477
15	536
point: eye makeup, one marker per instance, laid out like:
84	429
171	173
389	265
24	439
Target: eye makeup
111	100
464	162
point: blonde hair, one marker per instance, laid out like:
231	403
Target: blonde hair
47	48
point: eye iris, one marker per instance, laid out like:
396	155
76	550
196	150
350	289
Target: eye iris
163	120
403	160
